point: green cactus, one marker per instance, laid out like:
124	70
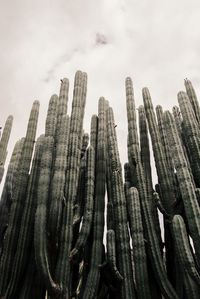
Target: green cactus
187	189
18	200
4	143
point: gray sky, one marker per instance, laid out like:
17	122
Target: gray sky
155	42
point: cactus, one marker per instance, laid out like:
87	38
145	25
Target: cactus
192	133
9	187
92	283
183	248
40	227
4	143
18	200
27	224
120	213
187	189
193	98
138	243
89	202
62	273
134	156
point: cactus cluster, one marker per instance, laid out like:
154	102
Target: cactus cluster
74	225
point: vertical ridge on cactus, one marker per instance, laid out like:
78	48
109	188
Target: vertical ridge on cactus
193	98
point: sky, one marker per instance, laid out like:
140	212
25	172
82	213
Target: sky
156	43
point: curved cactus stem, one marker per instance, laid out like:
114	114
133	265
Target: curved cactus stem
18	200
111	255
187	189
138	243
183	248
89	199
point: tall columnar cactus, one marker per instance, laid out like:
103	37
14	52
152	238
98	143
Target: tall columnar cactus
62	274
166	186
193	98
162	131
58	180
9	246
187	189
4	143
41	216
89	203
146	163
120	213
184	249
138	243
92	283
25	241
8	189
191	130
135	160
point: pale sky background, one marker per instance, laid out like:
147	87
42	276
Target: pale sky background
157	43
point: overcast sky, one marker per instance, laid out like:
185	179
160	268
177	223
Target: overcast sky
155	42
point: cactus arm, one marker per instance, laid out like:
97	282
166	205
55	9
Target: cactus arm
111	255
